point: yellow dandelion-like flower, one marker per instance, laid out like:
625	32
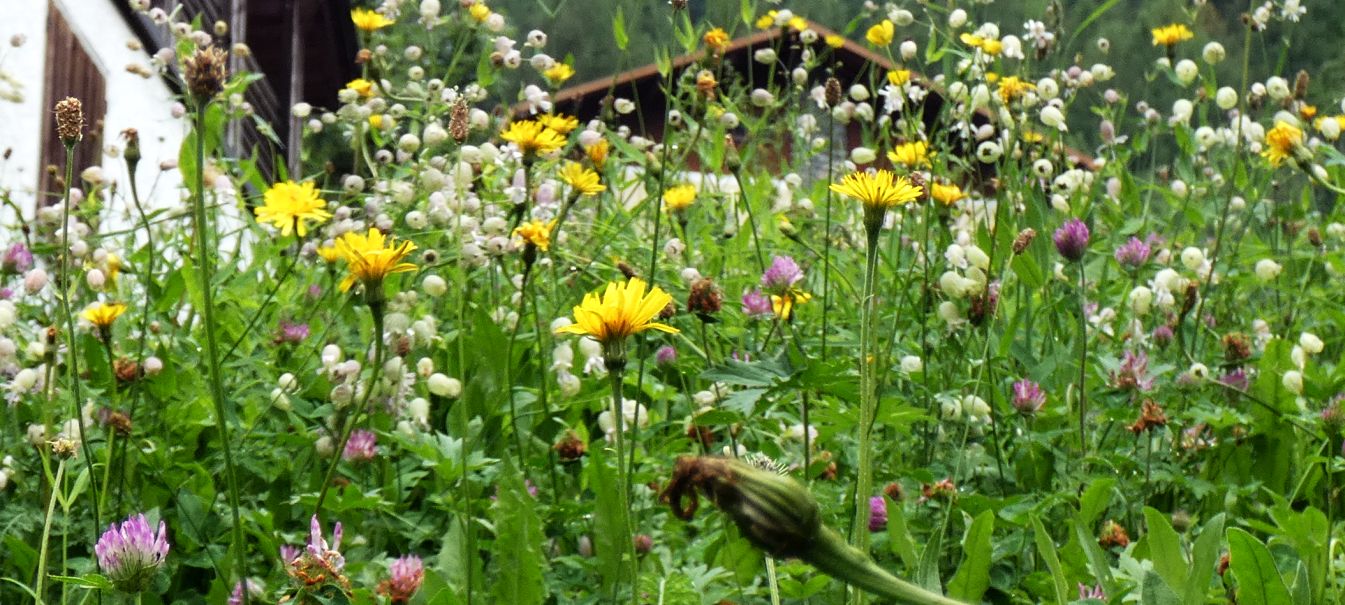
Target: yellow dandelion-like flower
910	155
582	180
1284	141
992	47
372	257
532	138
376	121
329	254
797	23
834	40
558	74
289	205
706	83
679	198
562	124
971	40
897	77
597	153
101	314
1170	35
879	189
882	33
1012	87
784	305
364	87
479	11
946	194
537	233
368	21
112	264
716	40
767	20
623	309
1307	112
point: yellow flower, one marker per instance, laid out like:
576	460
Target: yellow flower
1284	141
706	83
834	41
1170	35
1307	112
798	23
582	180
1032	136
532	138
897	77
537	233
329	254
479	11
113	264
1011	87
371	257
910	155
376	121
597	153
623	309
289	204
558	74
360	85
882	33
992	47
101	314
679	198
716	40
879	189
767	20
562	124
971	40
367	20
946	194
784	305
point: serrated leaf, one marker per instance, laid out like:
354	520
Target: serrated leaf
1165	549
673	589
518	561
973	575
1259	581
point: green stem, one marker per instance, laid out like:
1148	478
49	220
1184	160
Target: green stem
72	361
617	371
833	557
204	271
867	393
46	533
376	309
751	220
1083	364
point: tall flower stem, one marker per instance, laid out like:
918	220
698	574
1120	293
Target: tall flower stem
72	359
826	247
1083	364
867	392
205	269
376	309
616	368
46	533
751	219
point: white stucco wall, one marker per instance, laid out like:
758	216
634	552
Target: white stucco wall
132	102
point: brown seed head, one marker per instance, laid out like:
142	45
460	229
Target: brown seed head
205	72
69	120
705	299
458	126
1301	84
1023	240
833	92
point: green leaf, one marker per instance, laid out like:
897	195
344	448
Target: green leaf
1155	591
973	575
1259	582
619	29
518	560
1204	556
1165	549
673	589
1097	559
899	535
1047	550
90	580
1095	500
927	576
609	521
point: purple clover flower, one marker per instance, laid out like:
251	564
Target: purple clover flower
362	446
319	549
254	589
1133	373
17	259
1071	239
131	552
291	333
1095	592
1028	398
666	355
1133	254
781	276
757	305
406	574
877	513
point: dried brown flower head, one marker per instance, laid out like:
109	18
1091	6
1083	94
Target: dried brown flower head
1151	417
1113	535
705	299
69	120
205	72
832	91
1236	347
1023	240
458	121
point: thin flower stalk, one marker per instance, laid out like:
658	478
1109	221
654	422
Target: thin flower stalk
56	487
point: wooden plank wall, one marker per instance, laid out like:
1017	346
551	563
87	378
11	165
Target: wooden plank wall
70	72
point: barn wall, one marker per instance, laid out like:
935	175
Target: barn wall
132	102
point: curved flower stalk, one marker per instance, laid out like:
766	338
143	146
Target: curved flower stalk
782	518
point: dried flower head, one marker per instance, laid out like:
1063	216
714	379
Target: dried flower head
205	72
705	298
69	120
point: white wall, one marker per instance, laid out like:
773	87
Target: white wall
132	102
